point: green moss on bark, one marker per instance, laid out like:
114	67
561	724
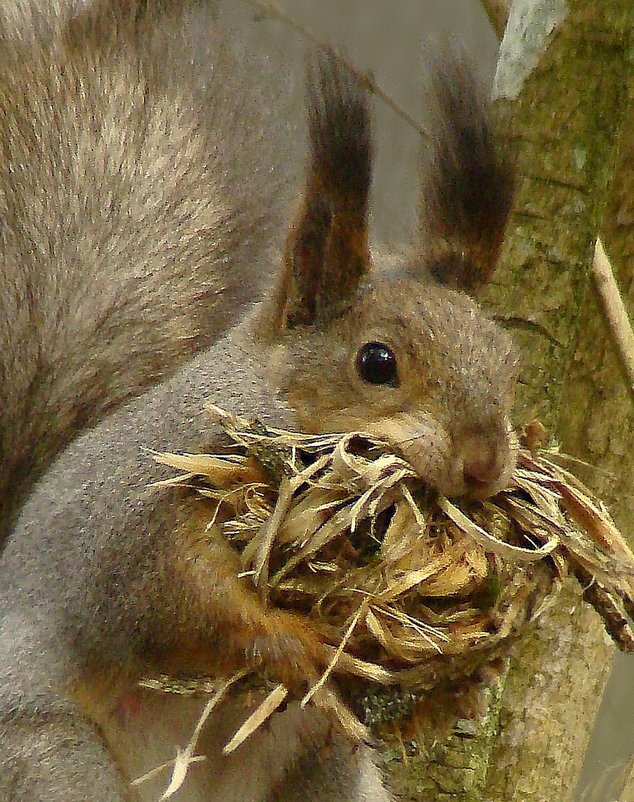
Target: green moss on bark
451	769
567	126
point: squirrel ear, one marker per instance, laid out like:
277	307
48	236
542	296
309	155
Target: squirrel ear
467	181
327	250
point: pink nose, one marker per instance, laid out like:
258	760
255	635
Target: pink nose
484	460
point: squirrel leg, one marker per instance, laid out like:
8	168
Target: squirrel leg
48	750
339	771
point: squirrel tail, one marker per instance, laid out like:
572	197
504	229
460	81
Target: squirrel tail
468	180
137	196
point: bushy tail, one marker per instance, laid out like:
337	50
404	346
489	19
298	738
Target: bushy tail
137	205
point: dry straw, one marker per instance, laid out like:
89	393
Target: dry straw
402	586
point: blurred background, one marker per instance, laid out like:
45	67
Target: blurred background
388	39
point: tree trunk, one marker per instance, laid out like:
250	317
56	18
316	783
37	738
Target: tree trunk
564	80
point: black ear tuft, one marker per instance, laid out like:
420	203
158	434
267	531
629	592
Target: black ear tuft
327	251
339	131
467	180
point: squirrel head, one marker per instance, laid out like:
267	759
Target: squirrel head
395	346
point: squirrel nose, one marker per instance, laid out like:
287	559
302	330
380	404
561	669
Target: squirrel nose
483	464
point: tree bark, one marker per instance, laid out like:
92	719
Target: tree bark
498	14
565	80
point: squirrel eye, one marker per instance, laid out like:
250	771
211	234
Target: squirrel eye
376	364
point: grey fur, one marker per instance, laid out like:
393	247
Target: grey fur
104	535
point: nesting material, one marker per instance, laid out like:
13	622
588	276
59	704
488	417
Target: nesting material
404	586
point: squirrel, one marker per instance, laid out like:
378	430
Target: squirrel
140	216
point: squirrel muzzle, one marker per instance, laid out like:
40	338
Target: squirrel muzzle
476	462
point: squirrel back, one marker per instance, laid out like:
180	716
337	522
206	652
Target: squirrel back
135	214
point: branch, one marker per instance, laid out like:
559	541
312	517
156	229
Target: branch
498	14
614	311
273	10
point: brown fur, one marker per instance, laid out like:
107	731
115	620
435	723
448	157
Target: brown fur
444	348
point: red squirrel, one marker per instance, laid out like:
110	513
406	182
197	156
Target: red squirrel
139	213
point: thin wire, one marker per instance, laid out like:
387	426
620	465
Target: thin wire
274	10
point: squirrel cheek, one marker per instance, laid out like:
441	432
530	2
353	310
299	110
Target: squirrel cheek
424	443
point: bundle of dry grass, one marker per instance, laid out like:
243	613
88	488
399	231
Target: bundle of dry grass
405	586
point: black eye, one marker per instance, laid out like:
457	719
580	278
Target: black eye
376	364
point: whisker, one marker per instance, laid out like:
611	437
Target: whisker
406	440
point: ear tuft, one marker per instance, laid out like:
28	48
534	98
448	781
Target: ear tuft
327	251
339	131
468	181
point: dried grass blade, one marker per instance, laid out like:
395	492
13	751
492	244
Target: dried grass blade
349	664
333	527
185	757
596	523
257	718
363	608
399	586
402	539
267	536
426	632
491	543
354	729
